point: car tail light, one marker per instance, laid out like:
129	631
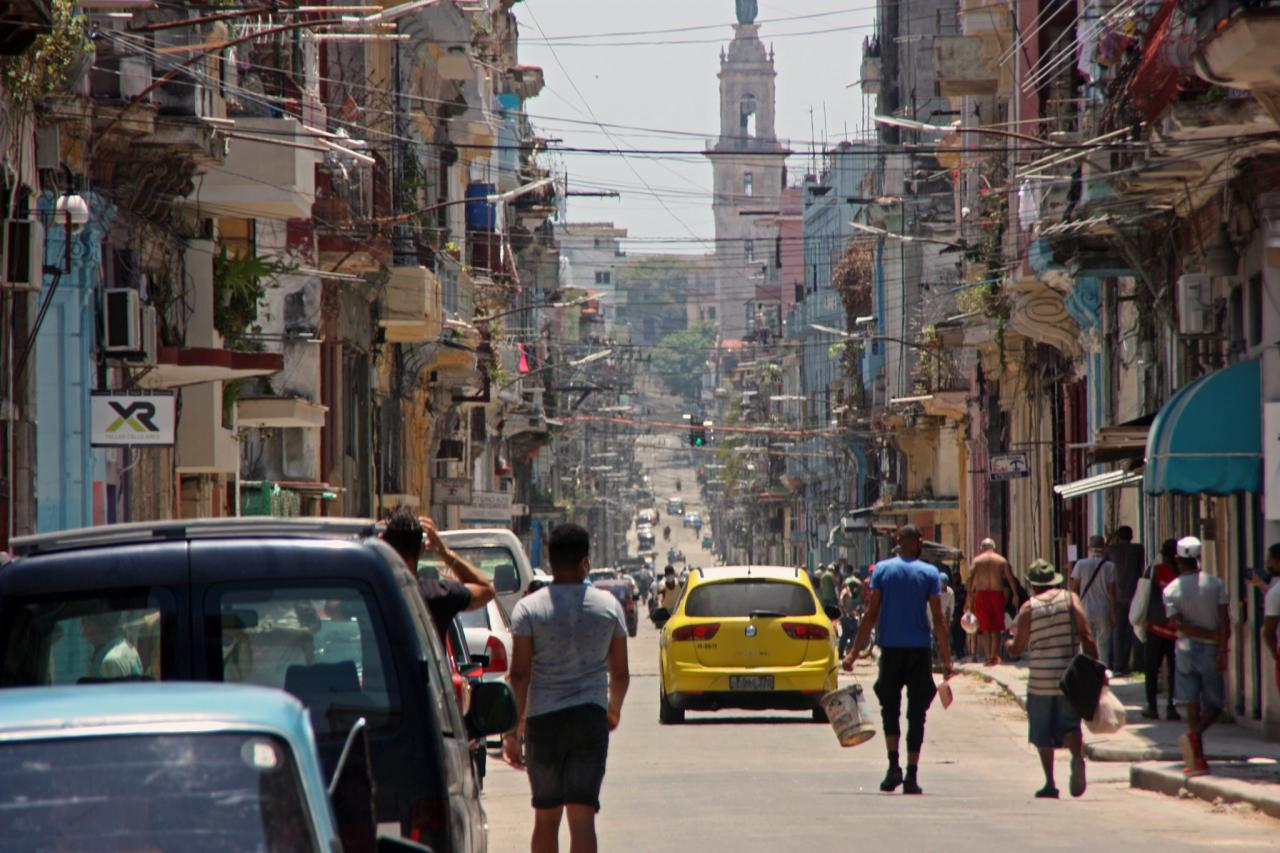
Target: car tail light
805	631
497	655
462	688
428	819
704	631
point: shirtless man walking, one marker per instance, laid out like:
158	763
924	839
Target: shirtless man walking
987	597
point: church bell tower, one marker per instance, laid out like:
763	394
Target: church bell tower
749	169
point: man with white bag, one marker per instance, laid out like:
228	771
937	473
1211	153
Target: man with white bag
1050	625
1196	604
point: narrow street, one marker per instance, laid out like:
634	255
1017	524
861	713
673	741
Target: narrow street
767	781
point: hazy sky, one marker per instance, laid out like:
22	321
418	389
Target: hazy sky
666	83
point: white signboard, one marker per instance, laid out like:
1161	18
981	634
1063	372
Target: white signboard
492	500
1008	466
124	419
1271	459
452	492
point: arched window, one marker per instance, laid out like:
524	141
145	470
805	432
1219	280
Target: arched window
747	115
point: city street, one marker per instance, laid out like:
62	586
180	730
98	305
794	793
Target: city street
767	781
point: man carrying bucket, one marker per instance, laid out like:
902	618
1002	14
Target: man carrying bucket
903	590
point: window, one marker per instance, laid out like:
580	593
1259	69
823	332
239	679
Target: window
749	250
749	184
747	116
498	563
603	277
1255	310
105	636
744	597
220	790
320	643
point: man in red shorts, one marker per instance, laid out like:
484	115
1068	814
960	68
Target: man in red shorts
987	590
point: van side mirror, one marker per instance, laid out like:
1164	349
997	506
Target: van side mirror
493	709
660	616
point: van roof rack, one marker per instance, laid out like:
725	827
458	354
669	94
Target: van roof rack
196	528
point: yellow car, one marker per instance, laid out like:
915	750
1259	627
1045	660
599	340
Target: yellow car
751	637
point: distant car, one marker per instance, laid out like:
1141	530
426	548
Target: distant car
178	766
645	541
602	575
499	554
691	518
708	542
675	506
625	593
746	637
647	516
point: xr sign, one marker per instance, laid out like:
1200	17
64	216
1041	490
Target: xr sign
130	420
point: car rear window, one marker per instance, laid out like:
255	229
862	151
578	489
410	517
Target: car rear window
115	635
744	597
496	562
210	792
322	643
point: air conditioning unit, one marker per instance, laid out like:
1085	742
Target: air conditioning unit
1195	304
148	328
120	321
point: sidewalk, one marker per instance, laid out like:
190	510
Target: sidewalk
1246	768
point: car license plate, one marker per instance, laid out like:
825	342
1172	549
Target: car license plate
751	682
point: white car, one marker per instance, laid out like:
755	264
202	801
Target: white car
488	633
499	554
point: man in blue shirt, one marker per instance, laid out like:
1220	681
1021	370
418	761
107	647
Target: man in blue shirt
904	591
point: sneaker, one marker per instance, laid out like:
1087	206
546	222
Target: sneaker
892	779
1047	793
911	786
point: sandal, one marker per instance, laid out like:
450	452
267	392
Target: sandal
1078	782
1047	793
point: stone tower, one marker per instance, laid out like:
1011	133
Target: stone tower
749	168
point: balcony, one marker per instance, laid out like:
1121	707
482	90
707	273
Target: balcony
269	173
964	66
411	306
1238	47
279	413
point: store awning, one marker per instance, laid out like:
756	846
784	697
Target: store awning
1097	483
1207	440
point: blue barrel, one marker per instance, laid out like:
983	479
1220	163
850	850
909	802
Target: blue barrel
481	215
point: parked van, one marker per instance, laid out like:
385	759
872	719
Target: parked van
319	608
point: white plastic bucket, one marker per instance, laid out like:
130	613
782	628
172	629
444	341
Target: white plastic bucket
846	710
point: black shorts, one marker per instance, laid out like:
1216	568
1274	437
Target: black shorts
565	753
909	668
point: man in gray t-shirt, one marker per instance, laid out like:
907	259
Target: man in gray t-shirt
1094	580
569	673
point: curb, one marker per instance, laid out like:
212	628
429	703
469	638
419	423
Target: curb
1171	782
980	673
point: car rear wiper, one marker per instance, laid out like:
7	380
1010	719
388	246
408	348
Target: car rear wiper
766	614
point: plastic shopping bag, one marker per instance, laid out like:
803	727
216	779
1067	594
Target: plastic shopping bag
1110	716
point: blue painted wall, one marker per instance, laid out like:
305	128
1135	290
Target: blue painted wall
64	369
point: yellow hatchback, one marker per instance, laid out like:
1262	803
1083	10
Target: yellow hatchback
751	637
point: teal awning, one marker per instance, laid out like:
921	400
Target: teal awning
1207	440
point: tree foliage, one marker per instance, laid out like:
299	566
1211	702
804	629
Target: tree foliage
679	358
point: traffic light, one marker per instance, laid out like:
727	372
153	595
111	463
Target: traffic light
697	437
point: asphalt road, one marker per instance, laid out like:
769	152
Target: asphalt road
746	781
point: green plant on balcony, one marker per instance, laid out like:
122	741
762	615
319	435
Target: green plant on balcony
46	66
240	284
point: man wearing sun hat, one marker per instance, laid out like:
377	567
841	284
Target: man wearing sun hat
1050	625
1196	605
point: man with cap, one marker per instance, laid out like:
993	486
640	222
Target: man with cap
1196	605
1050	625
1094	580
904	596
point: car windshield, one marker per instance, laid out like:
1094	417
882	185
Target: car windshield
495	561
213	792
747	596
